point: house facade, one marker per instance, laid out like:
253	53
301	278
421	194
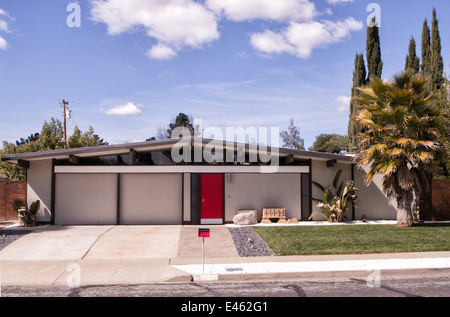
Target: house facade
143	184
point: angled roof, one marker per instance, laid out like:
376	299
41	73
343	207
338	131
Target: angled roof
160	145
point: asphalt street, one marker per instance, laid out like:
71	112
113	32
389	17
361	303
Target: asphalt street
437	285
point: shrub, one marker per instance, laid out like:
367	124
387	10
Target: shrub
334	205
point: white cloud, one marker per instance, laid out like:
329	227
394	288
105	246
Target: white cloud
343	103
161	51
127	109
335	2
4	26
241	55
281	11
4	16
3	43
174	24
271	43
300	39
165	74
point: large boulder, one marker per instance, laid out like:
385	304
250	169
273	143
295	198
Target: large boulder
245	219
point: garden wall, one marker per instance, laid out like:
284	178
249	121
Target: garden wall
8	191
440	202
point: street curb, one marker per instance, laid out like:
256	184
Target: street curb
315	275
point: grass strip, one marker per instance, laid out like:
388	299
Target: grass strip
355	239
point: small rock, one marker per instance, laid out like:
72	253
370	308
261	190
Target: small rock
245	219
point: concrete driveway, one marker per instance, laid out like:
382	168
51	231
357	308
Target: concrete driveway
95	242
96	254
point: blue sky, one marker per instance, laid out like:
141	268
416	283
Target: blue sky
132	66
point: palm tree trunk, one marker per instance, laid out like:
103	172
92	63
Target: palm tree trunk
404	216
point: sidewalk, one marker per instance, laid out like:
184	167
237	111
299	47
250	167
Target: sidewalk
90	256
330	266
223	264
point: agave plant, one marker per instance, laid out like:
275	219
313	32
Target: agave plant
335	204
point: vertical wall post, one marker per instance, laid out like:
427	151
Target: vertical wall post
53	194
353	204
118	199
310	188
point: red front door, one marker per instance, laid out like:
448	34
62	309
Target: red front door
211	198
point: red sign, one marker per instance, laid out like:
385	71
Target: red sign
203	233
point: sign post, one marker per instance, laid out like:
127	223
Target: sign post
203	233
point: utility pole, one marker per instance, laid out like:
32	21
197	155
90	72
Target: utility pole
64	104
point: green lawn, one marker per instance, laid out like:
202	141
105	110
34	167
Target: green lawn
355	239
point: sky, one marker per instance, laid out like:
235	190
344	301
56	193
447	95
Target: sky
130	67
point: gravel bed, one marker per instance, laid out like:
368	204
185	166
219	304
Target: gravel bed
248	243
8	236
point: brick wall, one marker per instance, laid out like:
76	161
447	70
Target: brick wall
8	191
440	200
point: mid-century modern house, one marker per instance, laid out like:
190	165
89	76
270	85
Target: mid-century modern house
141	184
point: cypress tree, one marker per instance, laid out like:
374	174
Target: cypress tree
426	50
412	61
441	86
437	63
373	47
359	80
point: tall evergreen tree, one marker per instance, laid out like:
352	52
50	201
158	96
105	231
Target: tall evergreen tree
412	61
359	80
437	63
373	47
426	50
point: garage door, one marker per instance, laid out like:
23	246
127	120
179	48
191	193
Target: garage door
86	199
145	199
154	199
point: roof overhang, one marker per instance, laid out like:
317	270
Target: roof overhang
167	145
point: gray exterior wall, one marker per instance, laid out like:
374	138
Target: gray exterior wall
324	176
372	202
39	187
259	191
187	197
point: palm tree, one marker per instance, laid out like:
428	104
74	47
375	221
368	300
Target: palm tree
399	138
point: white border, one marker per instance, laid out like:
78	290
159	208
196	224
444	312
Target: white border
218	221
174	169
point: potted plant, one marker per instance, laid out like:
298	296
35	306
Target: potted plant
19	206
26	215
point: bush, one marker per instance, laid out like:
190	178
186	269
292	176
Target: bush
28	214
334	205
